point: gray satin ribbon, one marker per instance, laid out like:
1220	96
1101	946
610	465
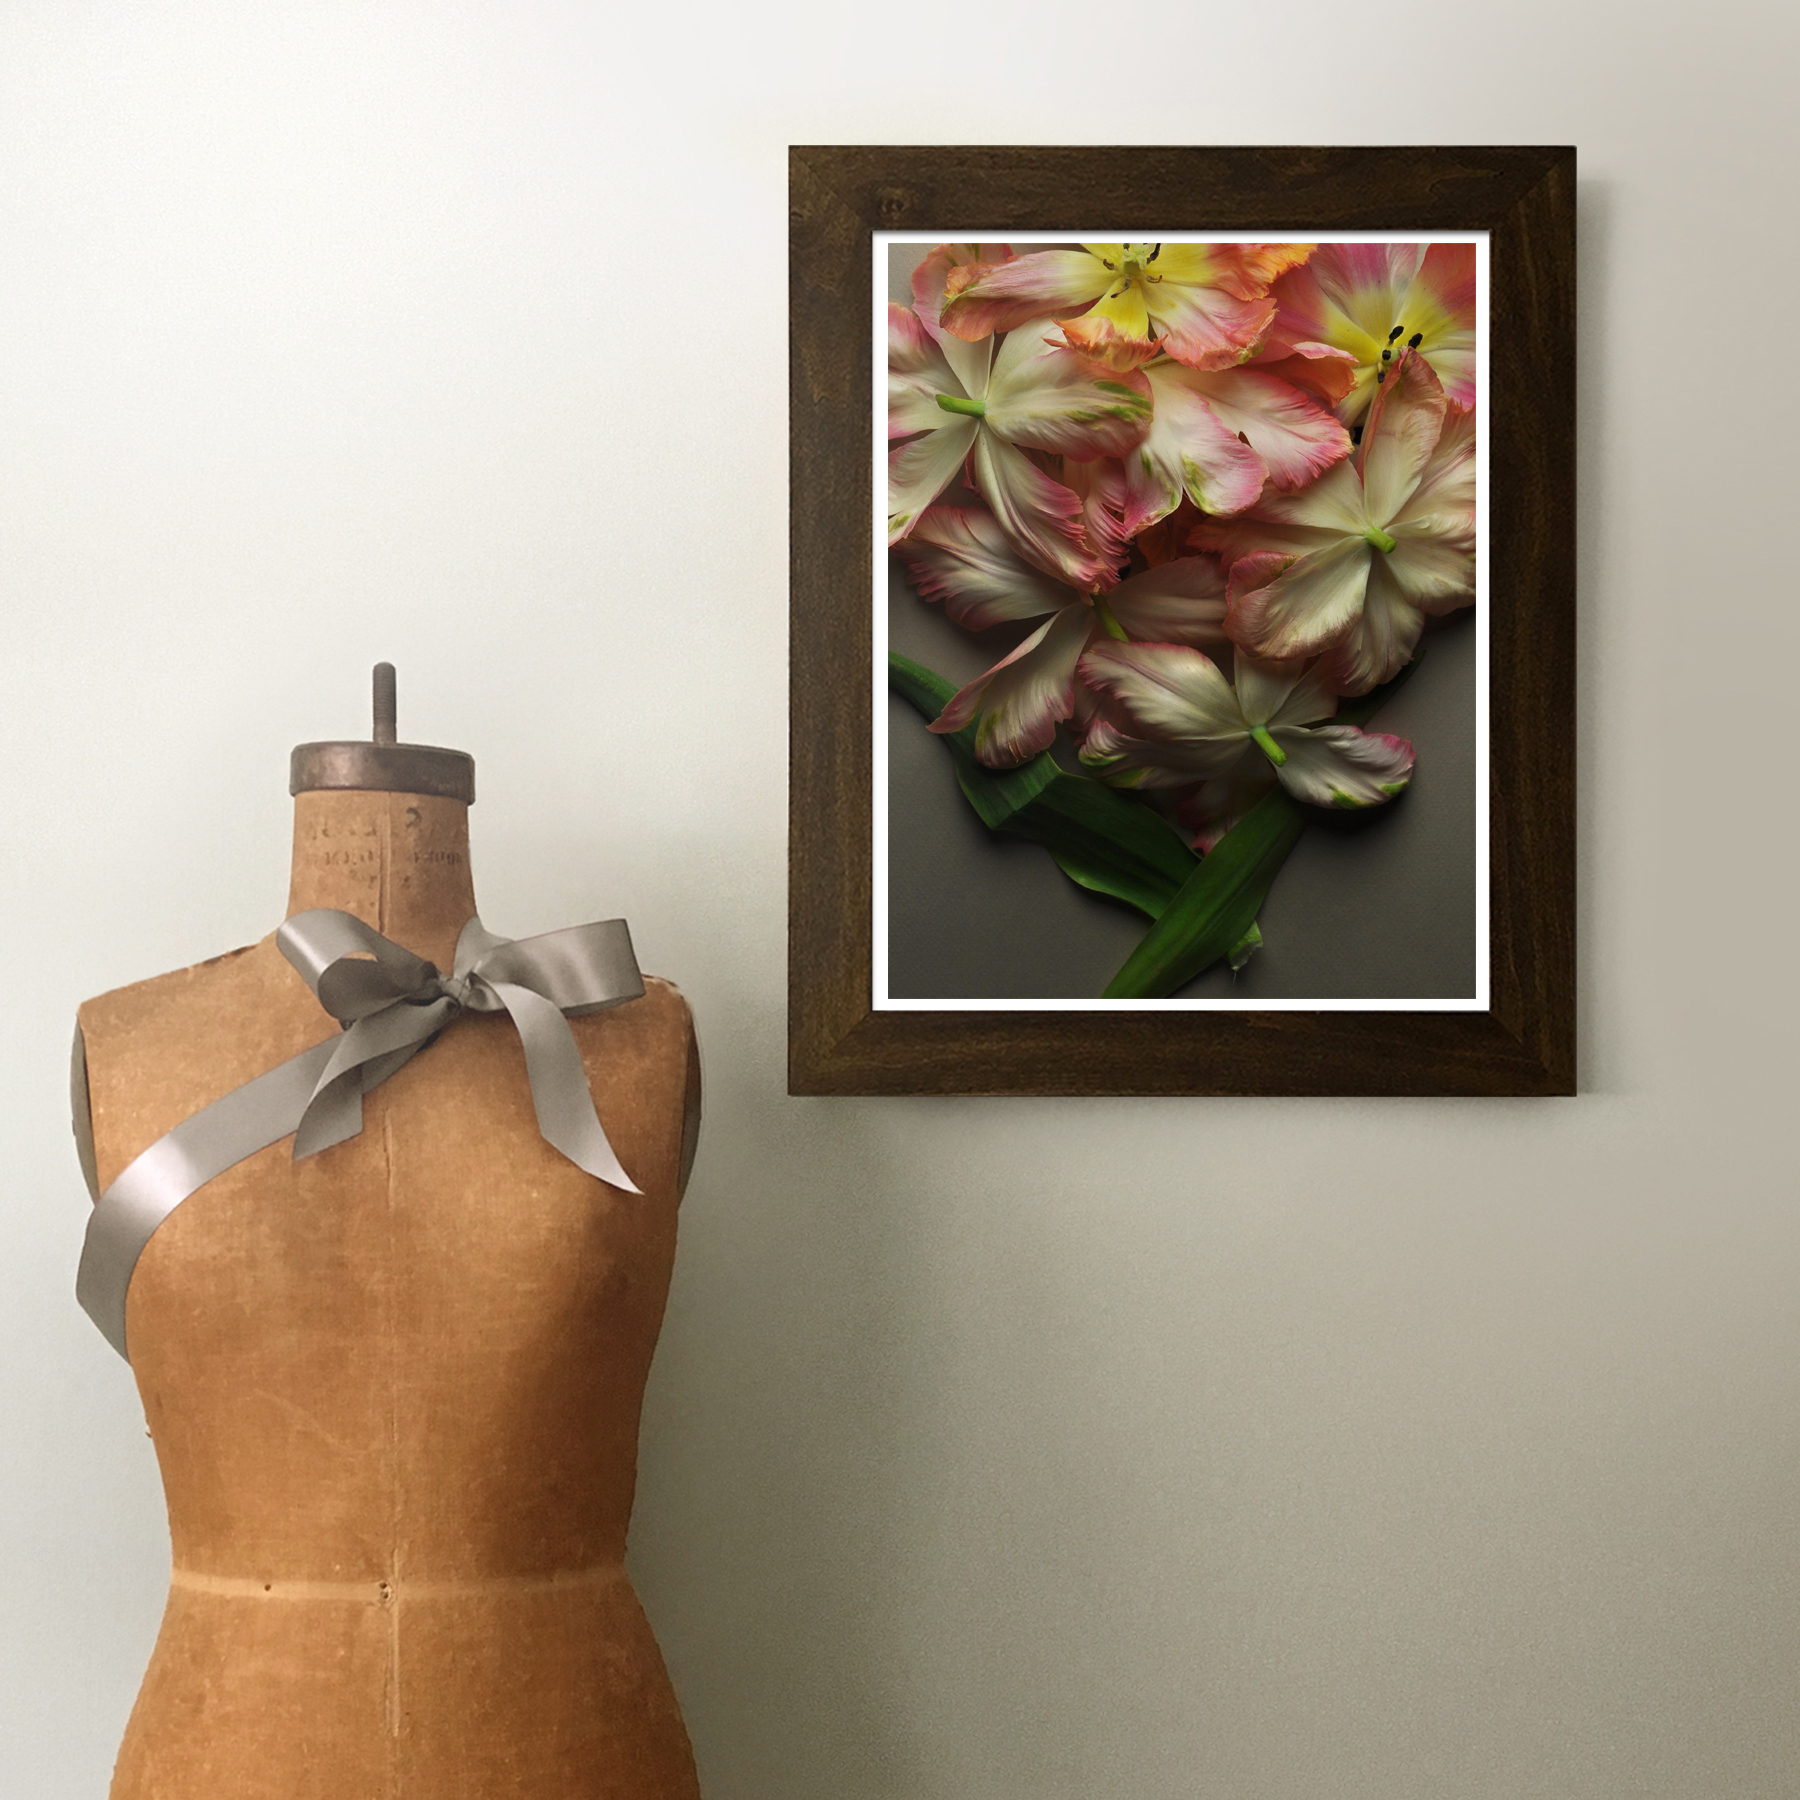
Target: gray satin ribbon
391	1005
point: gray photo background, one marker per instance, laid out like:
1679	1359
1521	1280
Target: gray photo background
1382	907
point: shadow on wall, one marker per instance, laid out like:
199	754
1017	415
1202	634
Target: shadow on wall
1598	1064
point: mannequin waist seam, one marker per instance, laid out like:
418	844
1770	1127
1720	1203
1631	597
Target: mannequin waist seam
385	1591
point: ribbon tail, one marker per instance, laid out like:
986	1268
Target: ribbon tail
250	1118
559	1086
333	1113
364	1057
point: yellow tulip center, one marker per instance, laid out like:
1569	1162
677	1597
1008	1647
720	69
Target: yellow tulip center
1132	269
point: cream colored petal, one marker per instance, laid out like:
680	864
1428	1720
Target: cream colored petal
922	468
1301	608
1017	704
958	555
1339	766
1167	693
1263	686
1043	518
1381	641
1179	602
1403	429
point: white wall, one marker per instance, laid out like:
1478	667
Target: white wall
1035	1450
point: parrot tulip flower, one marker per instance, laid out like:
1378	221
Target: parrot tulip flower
1372	301
1351	565
1168	718
1203	304
971	405
961	557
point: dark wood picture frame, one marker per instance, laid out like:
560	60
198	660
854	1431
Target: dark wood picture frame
1525	199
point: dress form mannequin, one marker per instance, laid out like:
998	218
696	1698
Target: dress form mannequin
394	1388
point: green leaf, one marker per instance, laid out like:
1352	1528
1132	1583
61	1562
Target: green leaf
1245	948
1113	844
1106	841
1217	905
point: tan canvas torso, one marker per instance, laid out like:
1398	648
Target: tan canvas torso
394	1390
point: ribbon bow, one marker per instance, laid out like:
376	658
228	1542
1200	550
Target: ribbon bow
391	1004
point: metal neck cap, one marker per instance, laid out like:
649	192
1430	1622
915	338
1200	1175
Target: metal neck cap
383	765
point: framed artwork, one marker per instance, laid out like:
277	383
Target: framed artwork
1182	621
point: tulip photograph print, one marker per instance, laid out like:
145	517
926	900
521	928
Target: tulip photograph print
1181	622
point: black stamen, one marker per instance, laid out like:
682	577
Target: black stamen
1154	254
1387	356
1417	338
1381	374
1395	332
1355	434
1120	290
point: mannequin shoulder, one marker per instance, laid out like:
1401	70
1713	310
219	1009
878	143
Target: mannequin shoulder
662	1017
190	1000
149	1055
670	1001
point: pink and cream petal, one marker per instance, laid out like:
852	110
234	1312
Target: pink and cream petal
1433	562
1249	534
1263	686
1303	314
1105	750
1205	327
1310	701
1403	429
1101	487
1381	642
1187	450
969	362
1049	284
912	405
1254	266
1152	763
1455	366
1332	505
920	469
1301	606
917	374
1447	485
960	557
1321	372
1364	284
1181	602
1048	398
1041	516
1101	340
1440	307
1297	439
1338	765
913	350
1019	702
1169	693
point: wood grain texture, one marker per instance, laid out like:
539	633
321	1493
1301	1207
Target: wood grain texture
1524	197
